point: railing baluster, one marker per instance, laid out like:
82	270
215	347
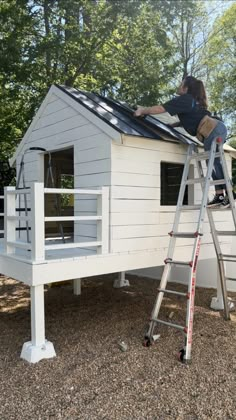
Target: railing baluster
9	224
103	225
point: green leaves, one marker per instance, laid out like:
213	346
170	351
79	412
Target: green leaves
133	50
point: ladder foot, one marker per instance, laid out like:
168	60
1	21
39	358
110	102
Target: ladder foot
149	341
181	357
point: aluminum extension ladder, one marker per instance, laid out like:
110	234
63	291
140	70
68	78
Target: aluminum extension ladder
205	181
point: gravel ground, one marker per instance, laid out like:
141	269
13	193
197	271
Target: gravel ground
91	378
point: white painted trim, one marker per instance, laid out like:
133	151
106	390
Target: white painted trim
37	315
38	348
37	222
9	219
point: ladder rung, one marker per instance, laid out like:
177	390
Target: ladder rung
225	232
185	234
203	156
195	181
22	209
173	292
218	182
174	262
170	324
228	256
230	279
202	180
186	208
23	228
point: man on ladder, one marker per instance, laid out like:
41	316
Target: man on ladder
191	108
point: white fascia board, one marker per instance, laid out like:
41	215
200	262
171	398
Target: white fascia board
90	116
32	125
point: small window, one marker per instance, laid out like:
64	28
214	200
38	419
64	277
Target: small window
171	176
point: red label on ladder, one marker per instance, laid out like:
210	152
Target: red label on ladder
192	295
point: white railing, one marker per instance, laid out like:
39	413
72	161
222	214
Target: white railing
1	214
36	220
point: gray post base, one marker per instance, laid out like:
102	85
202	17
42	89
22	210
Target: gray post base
34	354
121	281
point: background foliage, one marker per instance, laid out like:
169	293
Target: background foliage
136	50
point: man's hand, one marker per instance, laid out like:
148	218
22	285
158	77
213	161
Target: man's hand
152	110
139	112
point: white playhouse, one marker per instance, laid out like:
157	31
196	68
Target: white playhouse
97	195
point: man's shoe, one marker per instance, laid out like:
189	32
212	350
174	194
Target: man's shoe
225	203
216	201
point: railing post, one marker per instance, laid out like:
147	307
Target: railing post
9	224
103	225
37	222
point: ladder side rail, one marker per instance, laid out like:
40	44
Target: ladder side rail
196	251
228	182
216	244
172	241
191	299
170	252
205	187
220	263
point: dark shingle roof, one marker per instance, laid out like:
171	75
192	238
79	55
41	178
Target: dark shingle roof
120	116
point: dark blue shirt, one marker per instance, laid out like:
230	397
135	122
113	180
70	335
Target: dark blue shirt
189	112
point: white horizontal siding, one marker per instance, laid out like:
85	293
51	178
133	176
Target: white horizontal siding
134	206
95	180
133	167
123	192
53	97
160	145
160	242
59	127
135	180
134	231
92	170
55	117
94	167
135	187
55	106
91	154
129	219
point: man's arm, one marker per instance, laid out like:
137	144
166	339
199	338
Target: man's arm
156	109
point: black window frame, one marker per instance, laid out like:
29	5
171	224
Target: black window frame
170	180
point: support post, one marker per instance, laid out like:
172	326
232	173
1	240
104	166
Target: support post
37	222
38	348
121	281
217	303
77	287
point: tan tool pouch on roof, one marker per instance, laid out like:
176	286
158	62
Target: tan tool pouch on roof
206	126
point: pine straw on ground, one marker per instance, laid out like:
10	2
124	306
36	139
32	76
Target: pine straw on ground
92	379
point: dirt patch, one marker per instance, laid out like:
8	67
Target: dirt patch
92	378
